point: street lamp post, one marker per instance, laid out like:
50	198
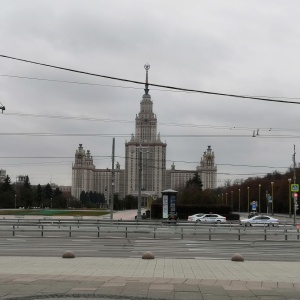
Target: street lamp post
139	215
248	199
259	198
239	200
226	198
15	201
294	194
272	184
231	200
290	198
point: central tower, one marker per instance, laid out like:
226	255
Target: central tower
145	151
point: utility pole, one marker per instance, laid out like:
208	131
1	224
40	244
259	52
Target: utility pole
112	181
139	212
294	194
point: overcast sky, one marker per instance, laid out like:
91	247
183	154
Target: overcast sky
238	47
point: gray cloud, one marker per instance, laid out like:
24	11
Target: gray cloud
237	46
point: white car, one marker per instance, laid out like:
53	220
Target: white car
260	220
194	218
211	218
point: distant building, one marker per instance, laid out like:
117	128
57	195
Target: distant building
21	179
2	175
145	156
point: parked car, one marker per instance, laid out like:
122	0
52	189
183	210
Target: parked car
194	218
260	220
211	218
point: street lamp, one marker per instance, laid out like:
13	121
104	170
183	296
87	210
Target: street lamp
248	199
272	184
239	200
139	214
15	201
290	198
226	198
259	197
231	200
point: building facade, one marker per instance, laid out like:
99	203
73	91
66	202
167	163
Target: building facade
145	163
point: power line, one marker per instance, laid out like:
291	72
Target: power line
124	87
105	135
203	126
150	84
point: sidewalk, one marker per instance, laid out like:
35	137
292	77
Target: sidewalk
135	278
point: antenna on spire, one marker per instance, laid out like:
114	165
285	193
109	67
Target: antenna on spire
147	67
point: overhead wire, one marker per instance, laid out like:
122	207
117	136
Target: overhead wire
150	84
125	87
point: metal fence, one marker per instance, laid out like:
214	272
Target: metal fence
97	228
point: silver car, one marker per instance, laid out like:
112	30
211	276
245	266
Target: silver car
211	218
260	220
195	217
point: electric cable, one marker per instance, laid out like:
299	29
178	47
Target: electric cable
150	84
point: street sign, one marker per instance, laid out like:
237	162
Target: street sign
270	199
294	187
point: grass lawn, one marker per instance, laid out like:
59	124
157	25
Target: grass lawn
53	212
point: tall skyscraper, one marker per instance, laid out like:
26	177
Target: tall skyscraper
145	151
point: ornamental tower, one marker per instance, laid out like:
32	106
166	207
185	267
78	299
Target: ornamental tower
82	172
208	169
145	150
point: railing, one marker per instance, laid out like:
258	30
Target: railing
125	229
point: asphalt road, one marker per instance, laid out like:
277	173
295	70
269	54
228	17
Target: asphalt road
166	244
163	248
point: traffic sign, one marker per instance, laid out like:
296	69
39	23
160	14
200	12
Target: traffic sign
270	200
294	187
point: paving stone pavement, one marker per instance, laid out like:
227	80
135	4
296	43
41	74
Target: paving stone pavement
135	278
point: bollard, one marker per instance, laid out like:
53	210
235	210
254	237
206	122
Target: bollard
285	234
126	232
154	232
42	232
58	223
182	233
209	235
298	234
265	234
239	236
98	231
70	233
13	230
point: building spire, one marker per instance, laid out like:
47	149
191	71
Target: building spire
147	67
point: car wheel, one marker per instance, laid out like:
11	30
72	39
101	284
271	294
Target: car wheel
248	224
218	221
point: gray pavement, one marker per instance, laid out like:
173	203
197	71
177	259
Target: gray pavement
136	278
